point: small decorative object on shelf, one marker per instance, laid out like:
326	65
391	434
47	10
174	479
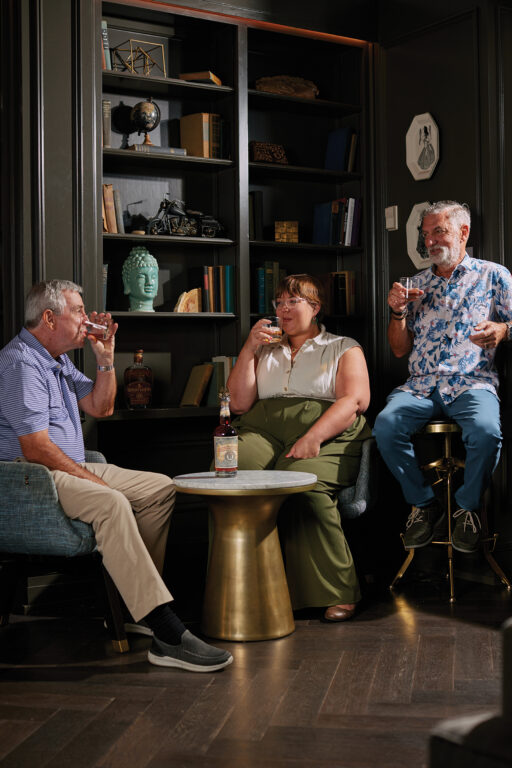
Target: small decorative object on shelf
189	301
288	85
138	383
225	440
266	152
200	77
132	56
173	218
145	116
140	279
286	231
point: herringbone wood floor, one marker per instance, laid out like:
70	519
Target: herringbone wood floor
360	694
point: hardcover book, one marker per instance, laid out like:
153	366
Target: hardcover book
337	148
110	211
153	149
200	134
106	125
200	77
196	385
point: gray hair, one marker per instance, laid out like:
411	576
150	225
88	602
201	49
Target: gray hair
47	295
458	213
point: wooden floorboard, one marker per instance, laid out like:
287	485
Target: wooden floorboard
360	694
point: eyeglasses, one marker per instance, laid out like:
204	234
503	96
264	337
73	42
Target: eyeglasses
288	303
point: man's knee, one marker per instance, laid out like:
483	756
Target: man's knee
385	427
483	435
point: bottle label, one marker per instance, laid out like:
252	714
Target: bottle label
226	452
138	393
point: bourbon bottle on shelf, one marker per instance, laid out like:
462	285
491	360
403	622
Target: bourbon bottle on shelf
225	440
138	383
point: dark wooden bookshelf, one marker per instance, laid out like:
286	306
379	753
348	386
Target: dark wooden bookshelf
239	54
186	241
279	102
128	161
166	87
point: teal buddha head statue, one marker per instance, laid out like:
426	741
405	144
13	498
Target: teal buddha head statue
140	279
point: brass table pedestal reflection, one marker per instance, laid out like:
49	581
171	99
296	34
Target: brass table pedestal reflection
246	595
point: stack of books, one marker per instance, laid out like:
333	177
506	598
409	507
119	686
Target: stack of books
337	222
340	154
112	210
340	292
202	134
218	294
267	279
206	380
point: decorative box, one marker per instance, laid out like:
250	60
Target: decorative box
286	231
265	152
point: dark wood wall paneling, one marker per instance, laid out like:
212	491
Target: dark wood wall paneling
11	187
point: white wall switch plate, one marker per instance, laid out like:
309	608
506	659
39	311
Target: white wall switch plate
391	217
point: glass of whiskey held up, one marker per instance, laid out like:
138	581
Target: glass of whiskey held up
95	329
274	328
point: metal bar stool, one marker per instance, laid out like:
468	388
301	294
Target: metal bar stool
445	467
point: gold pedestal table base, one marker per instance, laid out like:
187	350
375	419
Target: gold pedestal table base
246	595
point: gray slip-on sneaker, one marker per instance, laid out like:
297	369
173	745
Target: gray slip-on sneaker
135	628
191	654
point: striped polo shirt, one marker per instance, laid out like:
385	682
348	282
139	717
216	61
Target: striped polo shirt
39	392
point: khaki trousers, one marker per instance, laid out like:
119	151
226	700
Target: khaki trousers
131	520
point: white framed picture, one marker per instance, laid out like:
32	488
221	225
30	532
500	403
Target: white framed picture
422	146
415	244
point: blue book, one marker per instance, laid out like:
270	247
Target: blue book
322	224
260	283
338	142
229	287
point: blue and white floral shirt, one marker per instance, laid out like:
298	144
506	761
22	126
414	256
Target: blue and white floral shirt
442	321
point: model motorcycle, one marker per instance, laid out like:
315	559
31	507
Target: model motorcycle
173	218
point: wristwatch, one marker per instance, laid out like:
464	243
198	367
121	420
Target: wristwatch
509	331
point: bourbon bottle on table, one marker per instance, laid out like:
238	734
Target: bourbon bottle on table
138	383
225	440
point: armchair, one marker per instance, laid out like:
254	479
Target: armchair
33	524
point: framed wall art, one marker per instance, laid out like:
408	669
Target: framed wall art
415	244
422	146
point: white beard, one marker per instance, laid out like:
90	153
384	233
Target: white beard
447	258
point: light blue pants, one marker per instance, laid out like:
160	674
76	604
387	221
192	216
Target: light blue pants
476	411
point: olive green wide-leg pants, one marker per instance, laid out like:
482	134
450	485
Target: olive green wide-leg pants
319	565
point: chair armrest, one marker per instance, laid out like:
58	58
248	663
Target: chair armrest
31	519
357	498
95	457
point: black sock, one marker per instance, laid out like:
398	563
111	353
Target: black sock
165	624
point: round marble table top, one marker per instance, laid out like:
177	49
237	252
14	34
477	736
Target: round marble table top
245	481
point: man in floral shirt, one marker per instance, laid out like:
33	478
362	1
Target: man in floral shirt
450	327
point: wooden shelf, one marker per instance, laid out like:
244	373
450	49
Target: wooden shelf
125	82
175	315
123	414
306	247
128	161
280	170
278	102
187	241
